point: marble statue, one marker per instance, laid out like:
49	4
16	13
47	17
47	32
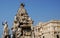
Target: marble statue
6	30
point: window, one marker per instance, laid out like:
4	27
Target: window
57	36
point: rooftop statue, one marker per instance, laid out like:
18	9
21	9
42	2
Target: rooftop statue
6	30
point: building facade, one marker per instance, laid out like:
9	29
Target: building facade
49	29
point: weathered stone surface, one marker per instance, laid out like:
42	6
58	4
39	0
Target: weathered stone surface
49	29
22	23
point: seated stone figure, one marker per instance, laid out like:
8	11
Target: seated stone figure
6	30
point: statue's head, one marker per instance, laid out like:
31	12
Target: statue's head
5	22
22	5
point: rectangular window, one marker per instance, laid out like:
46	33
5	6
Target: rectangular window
43	37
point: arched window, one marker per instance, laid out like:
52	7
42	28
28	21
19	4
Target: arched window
57	36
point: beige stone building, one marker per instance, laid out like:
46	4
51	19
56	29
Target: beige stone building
50	29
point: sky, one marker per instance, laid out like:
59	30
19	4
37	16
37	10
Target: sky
38	10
